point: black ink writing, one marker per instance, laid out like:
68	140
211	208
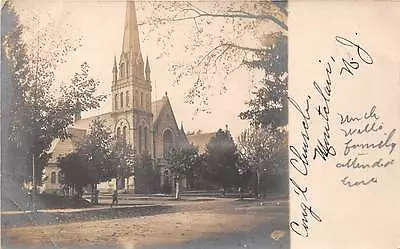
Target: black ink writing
303	227
349	145
350	184
305	135
355	164
367	129
367	115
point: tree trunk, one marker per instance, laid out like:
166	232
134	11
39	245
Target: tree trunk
177	190
127	184
258	183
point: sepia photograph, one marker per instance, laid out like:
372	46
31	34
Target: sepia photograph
144	124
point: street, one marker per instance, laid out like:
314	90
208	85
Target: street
156	223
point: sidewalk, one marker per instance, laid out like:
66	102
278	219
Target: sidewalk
75	210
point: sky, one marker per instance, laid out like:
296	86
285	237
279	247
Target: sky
100	25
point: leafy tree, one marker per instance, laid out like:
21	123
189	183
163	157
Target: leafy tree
222	160
270	105
146	174
260	147
125	157
224	36
94	160
38	115
96	147
76	172
182	163
13	59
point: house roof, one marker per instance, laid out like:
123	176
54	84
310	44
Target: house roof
63	147
201	140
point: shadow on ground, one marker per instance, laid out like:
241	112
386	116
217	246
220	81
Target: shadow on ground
45	218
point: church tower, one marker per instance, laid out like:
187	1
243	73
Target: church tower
131	89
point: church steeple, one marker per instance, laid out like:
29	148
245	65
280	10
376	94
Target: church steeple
131	42
133	61
115	71
147	70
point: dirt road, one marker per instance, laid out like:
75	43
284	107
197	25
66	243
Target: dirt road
222	223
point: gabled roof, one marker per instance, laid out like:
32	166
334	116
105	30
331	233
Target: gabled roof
157	106
60	147
85	122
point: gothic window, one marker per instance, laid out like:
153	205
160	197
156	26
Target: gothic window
124	138
122	70
127	98
116	101
53	177
118	133
140	139
167	142
145	138
122	100
127	69
141	100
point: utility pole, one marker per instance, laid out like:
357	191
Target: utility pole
33	185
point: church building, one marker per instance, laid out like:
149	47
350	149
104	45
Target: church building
148	126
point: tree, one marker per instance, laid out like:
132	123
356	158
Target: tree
260	147
222	160
76	172
270	103
146	174
224	36
13	59
126	158
37	114
182	163
94	160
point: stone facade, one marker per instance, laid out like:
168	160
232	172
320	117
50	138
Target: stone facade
149	126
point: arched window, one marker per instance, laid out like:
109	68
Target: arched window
145	139
122	70
140	138
116	101
127	69
167	142
122	100
118	133
124	138
53	178
127	98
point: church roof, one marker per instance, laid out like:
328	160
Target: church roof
85	122
201	140
60	147
157	106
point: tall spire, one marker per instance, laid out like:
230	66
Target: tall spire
131	32
147	70
115	64
115	71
